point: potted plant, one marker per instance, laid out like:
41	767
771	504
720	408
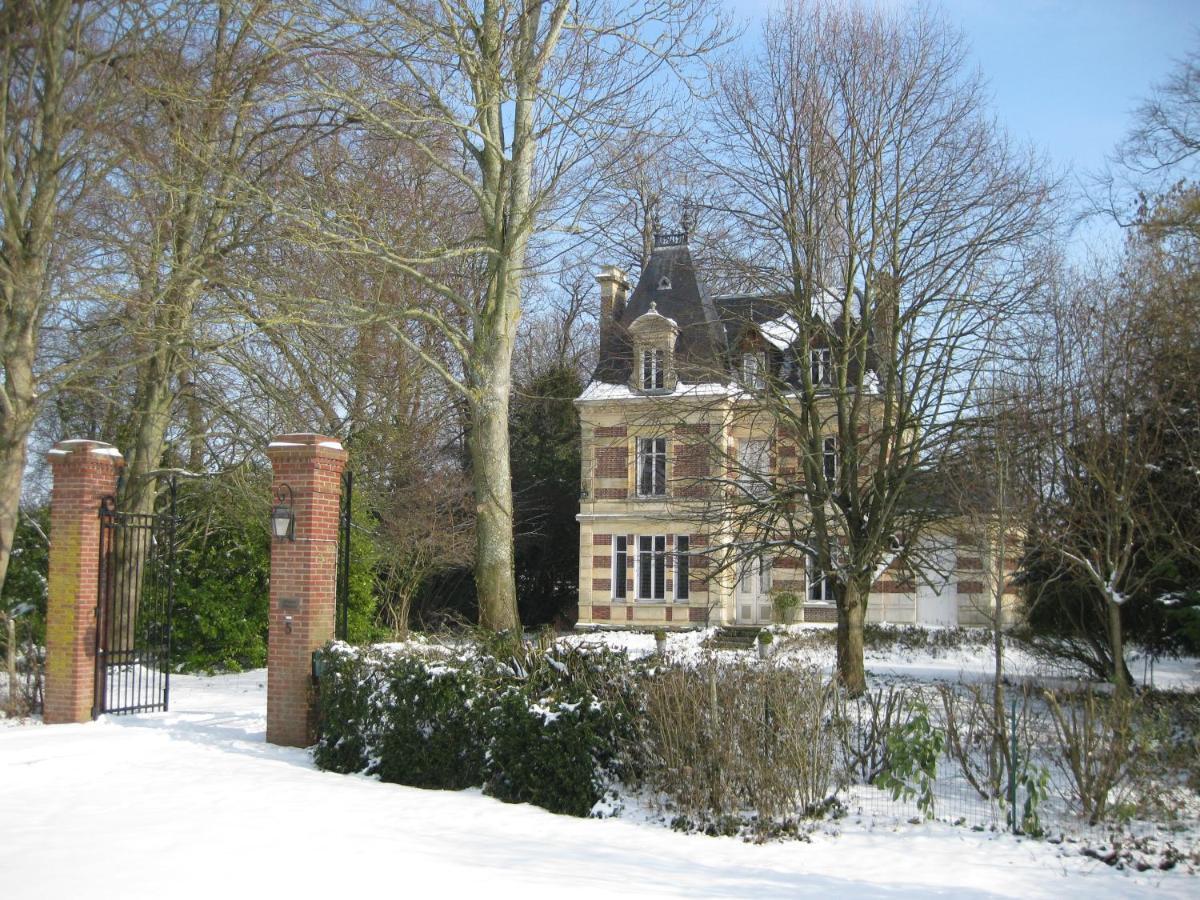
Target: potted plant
660	641
785	604
764	643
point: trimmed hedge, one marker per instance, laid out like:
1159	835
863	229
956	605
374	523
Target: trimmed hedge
541	725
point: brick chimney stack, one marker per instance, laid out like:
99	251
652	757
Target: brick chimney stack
614	291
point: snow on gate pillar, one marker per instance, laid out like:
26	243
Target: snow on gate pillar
84	473
308	476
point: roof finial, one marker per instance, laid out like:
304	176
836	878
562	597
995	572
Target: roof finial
671	238
688	221
653	307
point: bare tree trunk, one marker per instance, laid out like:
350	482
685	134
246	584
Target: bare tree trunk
18	395
14	434
11	661
852	615
1116	643
491	469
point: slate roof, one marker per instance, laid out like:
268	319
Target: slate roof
700	351
709	326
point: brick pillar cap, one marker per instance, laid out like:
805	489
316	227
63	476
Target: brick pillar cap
319	444
79	446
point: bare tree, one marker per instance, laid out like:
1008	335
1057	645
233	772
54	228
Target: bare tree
210	118
54	57
1158	157
1111	379
894	224
529	93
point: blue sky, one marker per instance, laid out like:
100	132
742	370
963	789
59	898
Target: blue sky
1065	74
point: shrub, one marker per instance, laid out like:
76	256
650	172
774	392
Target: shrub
913	750
547	753
724	738
349	711
1107	749
862	726
527	723
431	729
785	604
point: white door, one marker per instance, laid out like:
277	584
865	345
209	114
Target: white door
937	595
754	593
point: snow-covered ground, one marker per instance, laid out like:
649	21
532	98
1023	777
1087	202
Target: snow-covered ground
967	659
194	803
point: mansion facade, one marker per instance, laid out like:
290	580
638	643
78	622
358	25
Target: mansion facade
661	409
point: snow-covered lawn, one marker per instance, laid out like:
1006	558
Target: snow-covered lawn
194	803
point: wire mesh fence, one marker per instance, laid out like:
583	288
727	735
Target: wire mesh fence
947	752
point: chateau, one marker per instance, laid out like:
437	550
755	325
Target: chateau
668	400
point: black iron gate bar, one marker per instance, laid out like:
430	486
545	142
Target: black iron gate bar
342	628
136	595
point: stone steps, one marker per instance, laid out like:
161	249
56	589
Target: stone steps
734	637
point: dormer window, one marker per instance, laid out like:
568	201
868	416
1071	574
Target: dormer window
653	365
752	369
819	365
654	337
664	283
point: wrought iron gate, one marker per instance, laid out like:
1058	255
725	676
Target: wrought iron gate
136	592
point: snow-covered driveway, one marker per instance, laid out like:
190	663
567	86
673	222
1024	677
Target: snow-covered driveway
194	803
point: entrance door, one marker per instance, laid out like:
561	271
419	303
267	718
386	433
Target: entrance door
754	593
937	596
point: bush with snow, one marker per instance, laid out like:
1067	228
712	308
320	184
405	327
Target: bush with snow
526	723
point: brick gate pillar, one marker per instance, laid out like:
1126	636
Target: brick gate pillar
303	582
84	473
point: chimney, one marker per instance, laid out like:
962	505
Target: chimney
614	291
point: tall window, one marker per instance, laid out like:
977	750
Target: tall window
752	366
652	567
652	369
651	467
819	366
818	584
830	459
681	567
754	465
620	564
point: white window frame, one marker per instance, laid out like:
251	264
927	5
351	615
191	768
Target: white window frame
820	581
753	365
683	567
656	555
620	549
831	462
819	366
654	369
754	480
648	449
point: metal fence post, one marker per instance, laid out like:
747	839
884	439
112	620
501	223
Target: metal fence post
1012	768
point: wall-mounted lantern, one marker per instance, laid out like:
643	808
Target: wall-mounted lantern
283	518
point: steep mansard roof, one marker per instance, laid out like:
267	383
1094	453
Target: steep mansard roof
709	326
670	282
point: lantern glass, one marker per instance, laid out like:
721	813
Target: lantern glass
282	523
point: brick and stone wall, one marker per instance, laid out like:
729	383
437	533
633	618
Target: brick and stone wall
84	473
303	581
